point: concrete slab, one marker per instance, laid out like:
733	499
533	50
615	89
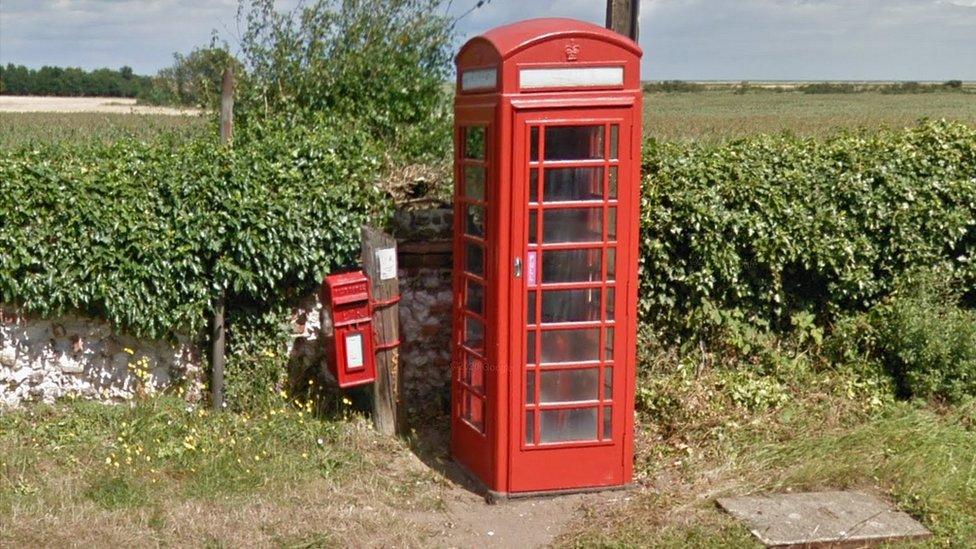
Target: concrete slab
823	519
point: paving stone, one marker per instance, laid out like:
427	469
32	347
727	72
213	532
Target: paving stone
823	519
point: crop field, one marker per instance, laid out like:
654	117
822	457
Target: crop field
21	128
723	114
712	115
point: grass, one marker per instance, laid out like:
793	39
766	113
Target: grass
832	432
18	129
159	473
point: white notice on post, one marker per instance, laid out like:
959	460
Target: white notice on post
388	263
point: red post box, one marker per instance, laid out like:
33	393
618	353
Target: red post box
547	190
349	349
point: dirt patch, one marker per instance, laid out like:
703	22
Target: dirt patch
118	105
469	522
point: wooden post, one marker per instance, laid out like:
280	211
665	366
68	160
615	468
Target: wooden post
379	263
218	339
623	16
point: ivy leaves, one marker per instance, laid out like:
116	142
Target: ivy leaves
769	226
145	234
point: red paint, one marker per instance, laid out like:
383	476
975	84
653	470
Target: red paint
350	347
541	361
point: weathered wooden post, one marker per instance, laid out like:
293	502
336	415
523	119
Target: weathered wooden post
623	17
380	264
218	337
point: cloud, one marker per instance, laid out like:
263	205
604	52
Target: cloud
686	39
95	33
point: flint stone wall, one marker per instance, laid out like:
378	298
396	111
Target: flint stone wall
425	261
44	359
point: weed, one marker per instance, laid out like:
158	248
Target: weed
112	491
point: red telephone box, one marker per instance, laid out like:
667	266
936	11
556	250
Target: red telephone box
349	348
547	180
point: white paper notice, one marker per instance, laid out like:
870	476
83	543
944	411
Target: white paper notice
354	351
388	263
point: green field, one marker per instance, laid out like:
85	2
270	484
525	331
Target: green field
717	115
710	115
21	128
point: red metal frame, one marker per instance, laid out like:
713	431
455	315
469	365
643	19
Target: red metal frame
496	449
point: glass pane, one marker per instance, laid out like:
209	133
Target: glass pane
610	303
530	348
529	427
473	411
475	298
577	345
568	385
533	185
607	383
571	305
568	184
572	225
611	263
612	224
474	334
534	144
474	223
571	266
612	195
474	142
474	373
533	227
574	142
614	138
567	425
607	422
608	345
476	260
530	387
474	182
530	316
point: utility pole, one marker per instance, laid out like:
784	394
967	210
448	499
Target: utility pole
623	16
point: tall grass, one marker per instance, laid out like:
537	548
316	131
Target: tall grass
924	459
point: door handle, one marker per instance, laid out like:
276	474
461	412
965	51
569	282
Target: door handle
518	267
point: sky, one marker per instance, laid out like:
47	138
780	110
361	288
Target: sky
681	39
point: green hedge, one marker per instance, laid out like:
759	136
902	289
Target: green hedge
761	228
758	229
145	235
